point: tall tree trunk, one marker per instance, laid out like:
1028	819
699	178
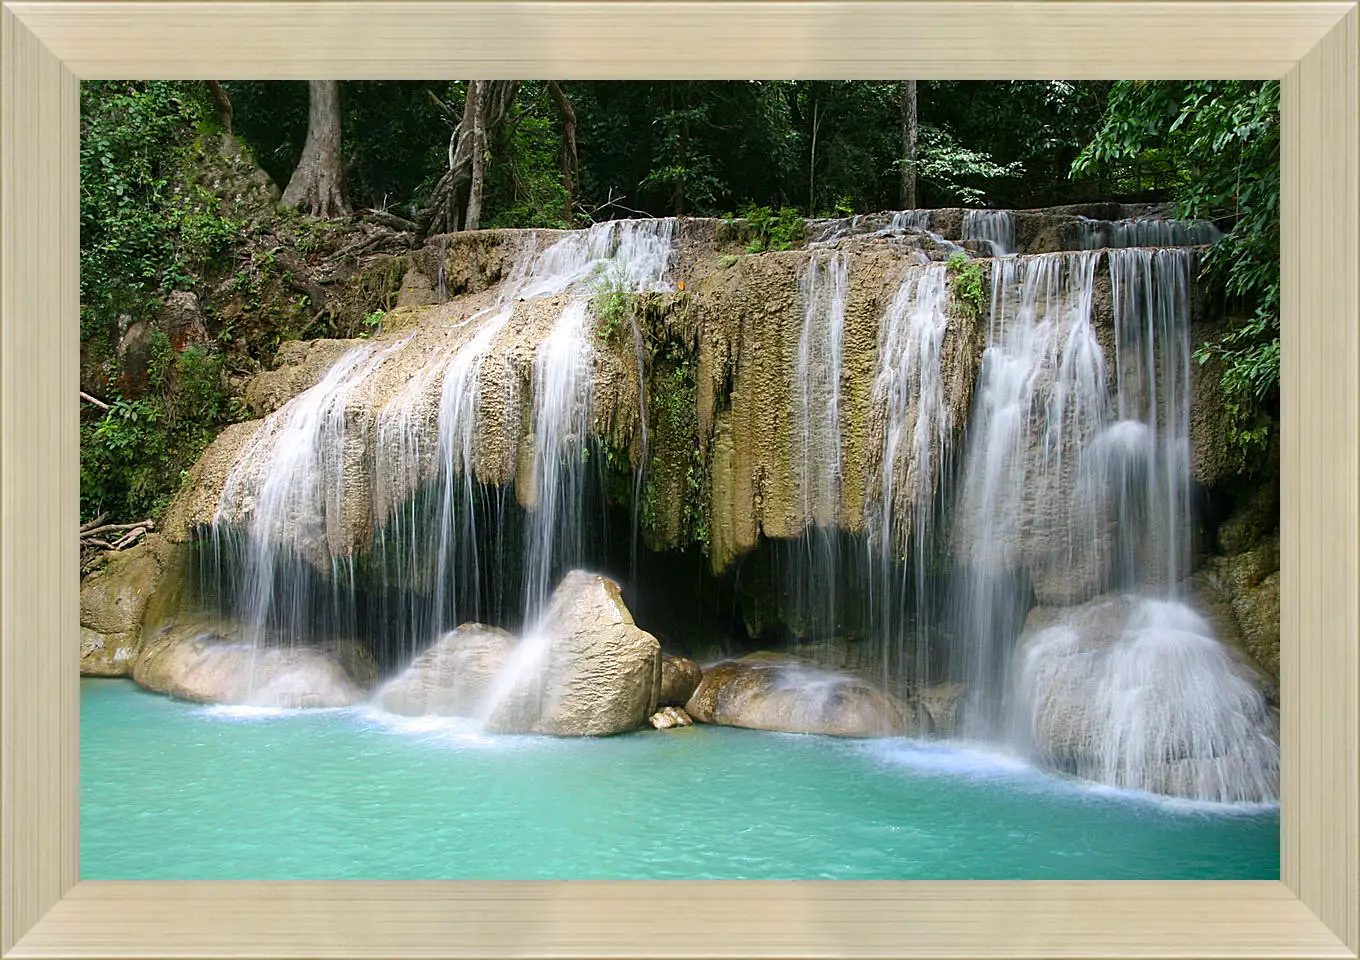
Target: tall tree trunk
910	131
570	161
812	165
223	102
474	205
457	201
317	184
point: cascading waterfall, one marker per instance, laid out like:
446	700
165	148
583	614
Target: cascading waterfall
562	384
993	227
1077	483
1040	394
281	526
1149	444
817	385
1146	232
1158	704
1071	493
910	392
817	406
287	493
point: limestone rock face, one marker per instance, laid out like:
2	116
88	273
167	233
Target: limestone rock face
197	500
113	605
207	662
585	670
1137	693
453	677
106	654
113	599
767	691
941	704
680	677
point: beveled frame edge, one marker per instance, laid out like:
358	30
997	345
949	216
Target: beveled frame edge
44	912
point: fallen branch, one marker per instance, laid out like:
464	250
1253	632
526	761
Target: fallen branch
95	400
130	539
111	527
390	220
86	528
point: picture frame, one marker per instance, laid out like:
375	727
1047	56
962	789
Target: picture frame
48	47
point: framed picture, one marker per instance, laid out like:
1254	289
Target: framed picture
266	536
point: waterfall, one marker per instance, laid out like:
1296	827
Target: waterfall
817	385
817	454
1146	232
1145	459
287	492
1040	394
910	402
282	559
1157	704
562	382
996	228
1077	483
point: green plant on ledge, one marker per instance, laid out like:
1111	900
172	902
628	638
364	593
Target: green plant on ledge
614	304
774	231
967	282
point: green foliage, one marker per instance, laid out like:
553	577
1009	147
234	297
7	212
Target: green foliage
614	304
372	323
774	231
950	167
967	282
1215	146
134	457
144	230
524	188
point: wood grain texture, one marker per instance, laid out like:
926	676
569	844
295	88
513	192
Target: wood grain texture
658	39
682	920
39	350
1313	913
1320	450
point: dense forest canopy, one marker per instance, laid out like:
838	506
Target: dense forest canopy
428	157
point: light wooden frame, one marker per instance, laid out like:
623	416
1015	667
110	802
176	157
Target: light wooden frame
47	47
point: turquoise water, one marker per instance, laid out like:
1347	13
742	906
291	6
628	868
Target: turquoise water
178	791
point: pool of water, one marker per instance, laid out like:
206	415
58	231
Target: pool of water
171	790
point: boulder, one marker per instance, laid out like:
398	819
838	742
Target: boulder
680	677
453	676
106	654
585	670
768	691
670	718
113	598
205	661
1136	693
940	702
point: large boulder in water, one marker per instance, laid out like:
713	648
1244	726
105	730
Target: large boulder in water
453	677
206	662
1137	693
768	691
585	670
114	600
680	677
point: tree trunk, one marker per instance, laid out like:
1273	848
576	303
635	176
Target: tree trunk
570	161
457	201
474	205
909	136
812	165
317	184
223	102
